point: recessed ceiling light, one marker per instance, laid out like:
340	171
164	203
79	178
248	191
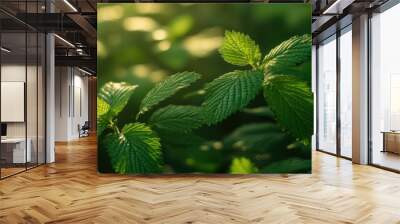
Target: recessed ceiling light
5	50
337	7
64	40
70	5
84	71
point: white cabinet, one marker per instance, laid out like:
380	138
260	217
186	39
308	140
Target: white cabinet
18	147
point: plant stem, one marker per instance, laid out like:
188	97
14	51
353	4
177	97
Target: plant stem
114	126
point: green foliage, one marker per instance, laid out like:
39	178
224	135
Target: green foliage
102	107
116	95
239	49
103	123
230	93
102	119
292	102
175	139
302	71
136	149
180	26
177	118
260	111
292	165
291	52
167	88
261	137
111	100
175	57
242	165
196	158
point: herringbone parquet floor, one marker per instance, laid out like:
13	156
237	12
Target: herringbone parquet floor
70	191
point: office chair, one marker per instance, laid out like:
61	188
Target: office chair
84	130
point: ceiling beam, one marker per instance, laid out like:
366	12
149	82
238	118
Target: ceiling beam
78	61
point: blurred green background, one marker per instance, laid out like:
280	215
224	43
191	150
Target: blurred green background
143	43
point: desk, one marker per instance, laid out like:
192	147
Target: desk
391	141
18	150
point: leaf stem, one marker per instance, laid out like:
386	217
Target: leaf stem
114	126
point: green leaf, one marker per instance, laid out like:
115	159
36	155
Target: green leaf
103	119
260	137
103	123
240	49
292	165
102	107
167	88
177	118
135	150
242	165
260	111
116	95
301	71
291	52
292	102
230	93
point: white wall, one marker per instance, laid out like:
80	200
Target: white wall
71	94
62	81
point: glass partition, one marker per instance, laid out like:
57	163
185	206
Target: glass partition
327	95
32	96
22	98
41	96
13	94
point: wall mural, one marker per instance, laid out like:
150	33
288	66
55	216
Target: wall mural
204	88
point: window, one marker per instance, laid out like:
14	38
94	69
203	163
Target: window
346	92
385	89
327	95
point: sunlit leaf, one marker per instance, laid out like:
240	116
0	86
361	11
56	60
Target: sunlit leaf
111	100
291	52
116	95
167	88
135	150
102	107
242	165
177	118
240	49
292	102
229	93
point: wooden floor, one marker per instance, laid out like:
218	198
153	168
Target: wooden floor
70	191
